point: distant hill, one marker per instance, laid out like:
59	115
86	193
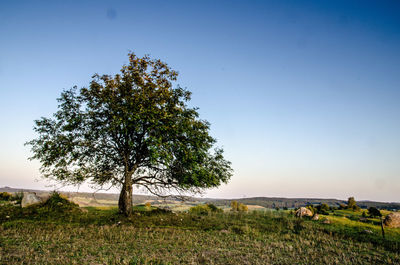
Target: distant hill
97	199
273	202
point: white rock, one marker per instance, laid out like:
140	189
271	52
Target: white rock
30	198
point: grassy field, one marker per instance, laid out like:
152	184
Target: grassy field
67	235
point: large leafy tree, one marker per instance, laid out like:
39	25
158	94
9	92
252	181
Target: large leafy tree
133	128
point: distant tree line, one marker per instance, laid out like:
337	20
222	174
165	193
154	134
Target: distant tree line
285	203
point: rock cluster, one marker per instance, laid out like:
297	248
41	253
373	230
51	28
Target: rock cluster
315	217
303	211
30	198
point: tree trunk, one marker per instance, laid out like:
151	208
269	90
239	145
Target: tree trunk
125	198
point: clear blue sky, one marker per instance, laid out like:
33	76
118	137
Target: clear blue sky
304	96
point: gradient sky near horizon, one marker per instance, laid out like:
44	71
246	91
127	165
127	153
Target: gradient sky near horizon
304	96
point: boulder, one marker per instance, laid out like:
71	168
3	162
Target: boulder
315	217
392	220
303	211
30	198
326	221
44	196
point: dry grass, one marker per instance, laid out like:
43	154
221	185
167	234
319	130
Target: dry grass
154	237
32	243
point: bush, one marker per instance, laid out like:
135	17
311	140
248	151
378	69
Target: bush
56	205
322	209
364	214
17	197
374	212
204	209
242	207
238	207
5	196
234	206
311	208
214	208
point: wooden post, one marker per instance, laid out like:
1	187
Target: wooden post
383	230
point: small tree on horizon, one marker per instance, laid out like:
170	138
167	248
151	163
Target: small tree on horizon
133	128
351	204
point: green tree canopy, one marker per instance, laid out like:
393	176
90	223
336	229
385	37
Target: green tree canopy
374	212
351	203
133	128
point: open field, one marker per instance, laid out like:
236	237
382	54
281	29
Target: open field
154	236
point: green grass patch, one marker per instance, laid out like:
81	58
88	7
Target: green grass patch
156	236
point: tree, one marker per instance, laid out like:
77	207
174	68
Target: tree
322	208
133	128
234	206
242	207
374	212
351	204
325	207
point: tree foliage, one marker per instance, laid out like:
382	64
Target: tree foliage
322	208
351	204
234	205
133	128
238	207
205	209
374	212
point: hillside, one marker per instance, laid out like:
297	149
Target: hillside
97	199
273	202
60	233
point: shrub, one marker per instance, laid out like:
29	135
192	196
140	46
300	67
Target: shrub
17	197
204	209
214	208
242	207
322	209
298	225
311	208
234	206
374	212
56	204
5	196
364	214
148	204
238	207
